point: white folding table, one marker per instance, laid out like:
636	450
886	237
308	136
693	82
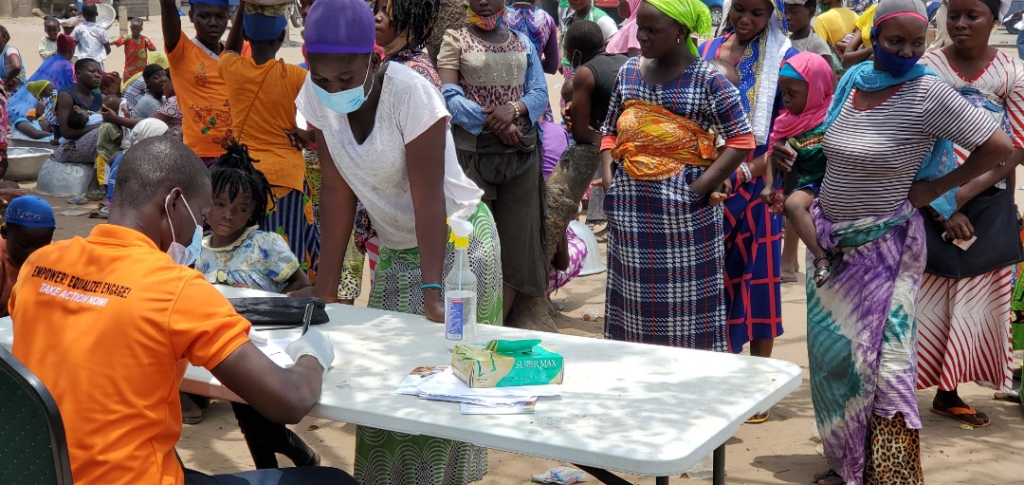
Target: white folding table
633	408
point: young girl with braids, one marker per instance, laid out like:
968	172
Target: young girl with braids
239	254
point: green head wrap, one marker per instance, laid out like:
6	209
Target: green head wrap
691	13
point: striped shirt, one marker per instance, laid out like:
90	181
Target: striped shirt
1001	83
874	154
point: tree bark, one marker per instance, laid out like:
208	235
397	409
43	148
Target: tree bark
565	188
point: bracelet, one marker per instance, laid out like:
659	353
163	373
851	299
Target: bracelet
431	286
744	173
516	108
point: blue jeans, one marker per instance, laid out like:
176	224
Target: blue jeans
1020	44
285	476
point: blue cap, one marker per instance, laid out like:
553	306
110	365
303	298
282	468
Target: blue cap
215	3
339	27
259	27
30	211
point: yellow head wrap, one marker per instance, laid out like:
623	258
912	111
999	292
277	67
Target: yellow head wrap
37	87
691	13
158	58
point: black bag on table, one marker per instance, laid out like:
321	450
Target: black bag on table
274	313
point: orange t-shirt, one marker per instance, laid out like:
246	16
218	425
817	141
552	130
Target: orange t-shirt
202	97
262	107
106	322
8	277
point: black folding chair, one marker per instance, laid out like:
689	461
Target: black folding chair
33	448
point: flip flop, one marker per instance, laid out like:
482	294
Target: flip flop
760	417
957	412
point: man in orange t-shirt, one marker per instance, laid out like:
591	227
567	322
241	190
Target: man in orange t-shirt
202	94
107	323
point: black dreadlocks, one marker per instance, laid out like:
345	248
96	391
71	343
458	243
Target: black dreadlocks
414	17
234	172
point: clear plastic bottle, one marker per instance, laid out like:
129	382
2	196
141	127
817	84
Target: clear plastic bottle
460	291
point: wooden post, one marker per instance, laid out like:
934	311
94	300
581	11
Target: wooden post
122	19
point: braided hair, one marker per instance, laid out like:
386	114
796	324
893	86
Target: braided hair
234	172
414	17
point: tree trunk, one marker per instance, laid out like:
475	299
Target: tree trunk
565	189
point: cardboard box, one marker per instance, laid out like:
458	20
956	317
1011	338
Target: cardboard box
479	367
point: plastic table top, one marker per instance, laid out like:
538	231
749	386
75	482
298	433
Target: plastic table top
627	407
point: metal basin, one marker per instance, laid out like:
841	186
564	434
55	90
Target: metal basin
21	142
24	163
106	15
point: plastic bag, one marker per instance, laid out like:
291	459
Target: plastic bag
64	179
286	312
561	475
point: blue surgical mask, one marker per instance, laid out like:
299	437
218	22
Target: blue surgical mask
185	256
346	101
894	64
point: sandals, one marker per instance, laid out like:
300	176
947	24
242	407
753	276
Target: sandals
831	474
760	417
958	413
824	273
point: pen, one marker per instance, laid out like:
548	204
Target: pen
307	317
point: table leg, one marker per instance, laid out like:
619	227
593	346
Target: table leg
718	465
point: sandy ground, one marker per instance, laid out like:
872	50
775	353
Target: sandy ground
779	451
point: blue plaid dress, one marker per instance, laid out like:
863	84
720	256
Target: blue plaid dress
665	249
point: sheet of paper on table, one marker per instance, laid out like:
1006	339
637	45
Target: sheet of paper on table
410	386
274	348
448	384
438	383
527	407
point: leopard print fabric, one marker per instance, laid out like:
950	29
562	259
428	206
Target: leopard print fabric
894	453
490	74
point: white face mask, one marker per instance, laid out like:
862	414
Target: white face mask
185	256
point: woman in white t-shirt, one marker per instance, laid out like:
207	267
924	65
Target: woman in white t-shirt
382	133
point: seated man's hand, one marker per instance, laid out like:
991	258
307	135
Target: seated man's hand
315	344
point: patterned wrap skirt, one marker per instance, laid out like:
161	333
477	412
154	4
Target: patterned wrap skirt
292	218
861	340
753	271
385	457
665	263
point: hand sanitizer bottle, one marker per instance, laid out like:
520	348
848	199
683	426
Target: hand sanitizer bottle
460	291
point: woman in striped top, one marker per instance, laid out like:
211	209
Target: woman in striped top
964	303
888	154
